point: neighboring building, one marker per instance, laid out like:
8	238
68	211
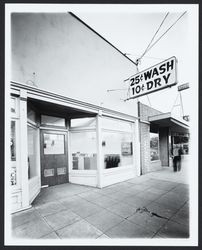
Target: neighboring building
158	134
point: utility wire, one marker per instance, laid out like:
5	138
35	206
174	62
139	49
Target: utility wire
154	36
174	103
149	101
149	57
181	104
166	31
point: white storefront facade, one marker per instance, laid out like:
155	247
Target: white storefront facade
55	140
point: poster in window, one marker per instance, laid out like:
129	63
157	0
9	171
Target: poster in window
126	148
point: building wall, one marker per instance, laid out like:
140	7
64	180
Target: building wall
70	59
144	147
144	112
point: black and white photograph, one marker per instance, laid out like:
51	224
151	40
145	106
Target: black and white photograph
101	124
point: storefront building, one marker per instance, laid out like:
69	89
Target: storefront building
65	125
159	133
56	140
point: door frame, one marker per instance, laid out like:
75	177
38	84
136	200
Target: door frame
53	130
38	162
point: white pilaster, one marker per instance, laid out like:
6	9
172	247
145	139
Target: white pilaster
136	149
99	150
24	149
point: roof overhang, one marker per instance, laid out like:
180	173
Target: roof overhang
49	101
166	120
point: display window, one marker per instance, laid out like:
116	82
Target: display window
154	146
32	152
83	148
117	143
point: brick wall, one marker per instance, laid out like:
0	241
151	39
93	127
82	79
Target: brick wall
144	112
145	147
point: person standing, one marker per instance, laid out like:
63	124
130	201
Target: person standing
180	152
176	158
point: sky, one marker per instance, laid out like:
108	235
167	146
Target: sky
131	31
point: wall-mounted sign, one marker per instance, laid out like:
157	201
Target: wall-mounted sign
155	78
186	118
183	86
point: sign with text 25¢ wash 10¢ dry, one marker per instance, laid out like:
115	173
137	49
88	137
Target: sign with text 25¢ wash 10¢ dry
157	77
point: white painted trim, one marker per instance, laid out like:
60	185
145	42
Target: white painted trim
117	170
77	130
87	173
47	96
53	129
99	152
39	156
137	151
159	116
34	187
117	131
24	148
120	116
68	153
22	209
146	122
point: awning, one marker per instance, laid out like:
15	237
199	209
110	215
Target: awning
166	120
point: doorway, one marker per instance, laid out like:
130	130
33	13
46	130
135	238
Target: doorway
54	161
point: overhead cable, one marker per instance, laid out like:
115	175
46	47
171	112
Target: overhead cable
166	31
154	36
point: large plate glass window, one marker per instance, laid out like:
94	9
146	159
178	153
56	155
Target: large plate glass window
117	149
32	152
154	146
83	148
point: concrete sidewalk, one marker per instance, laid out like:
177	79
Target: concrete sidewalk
123	210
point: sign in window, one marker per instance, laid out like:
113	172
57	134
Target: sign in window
54	144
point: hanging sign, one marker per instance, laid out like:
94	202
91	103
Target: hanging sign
160	76
183	86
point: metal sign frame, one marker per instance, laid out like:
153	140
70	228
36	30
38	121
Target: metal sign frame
155	90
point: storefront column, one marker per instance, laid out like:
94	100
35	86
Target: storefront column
136	149
23	149
164	147
99	150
